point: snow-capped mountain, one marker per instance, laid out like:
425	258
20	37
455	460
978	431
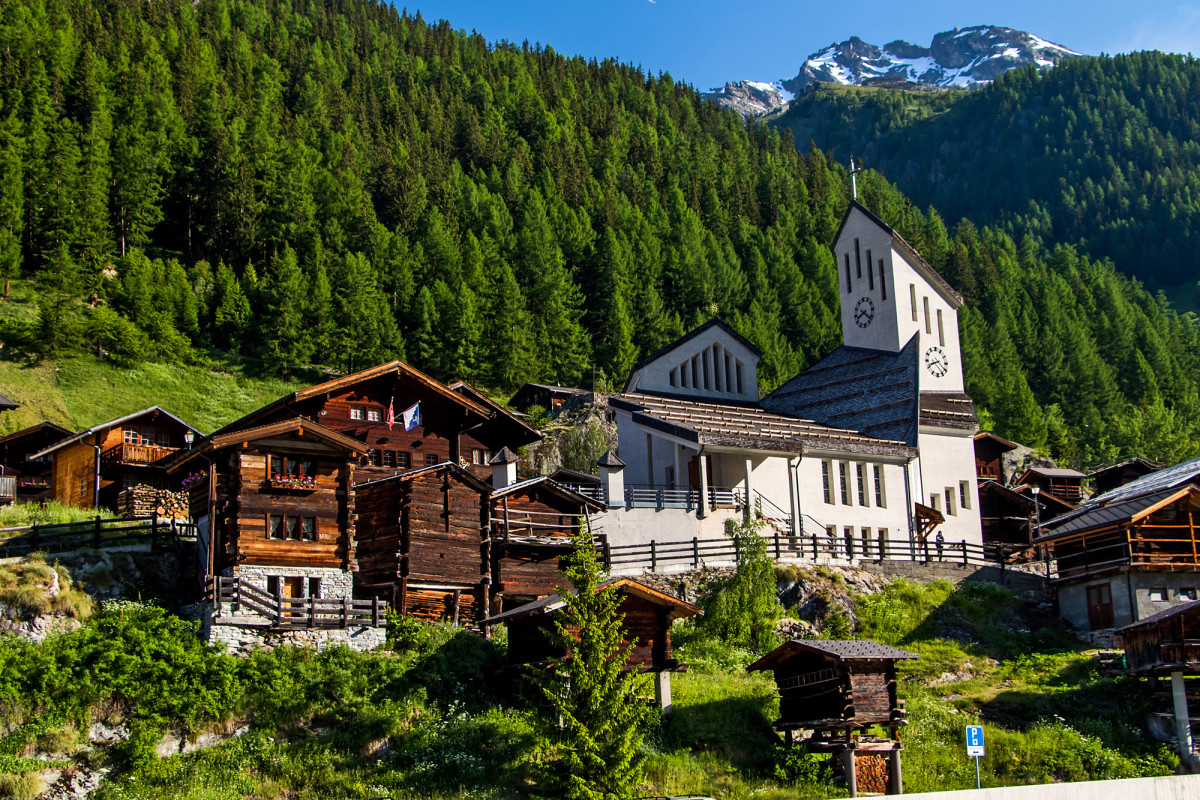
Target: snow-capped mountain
961	58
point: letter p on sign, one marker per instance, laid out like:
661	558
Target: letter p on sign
974	740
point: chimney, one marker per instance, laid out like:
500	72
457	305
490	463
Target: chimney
612	479
504	469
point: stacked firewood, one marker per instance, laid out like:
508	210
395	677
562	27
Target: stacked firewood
145	501
872	774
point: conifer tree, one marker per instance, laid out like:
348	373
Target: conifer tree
593	694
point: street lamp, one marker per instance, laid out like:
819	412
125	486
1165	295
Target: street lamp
189	437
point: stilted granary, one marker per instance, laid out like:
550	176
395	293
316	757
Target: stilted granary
839	690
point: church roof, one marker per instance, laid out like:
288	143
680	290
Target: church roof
749	427
872	391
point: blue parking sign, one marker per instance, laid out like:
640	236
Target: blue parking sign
975	740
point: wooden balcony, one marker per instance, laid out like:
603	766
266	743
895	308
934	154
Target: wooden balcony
136	454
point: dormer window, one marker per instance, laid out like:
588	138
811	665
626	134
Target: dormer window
358	413
374	415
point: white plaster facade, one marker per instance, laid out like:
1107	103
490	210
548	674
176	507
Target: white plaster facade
711	362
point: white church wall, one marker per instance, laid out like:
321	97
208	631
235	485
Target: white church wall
711	365
947	463
868	301
891	517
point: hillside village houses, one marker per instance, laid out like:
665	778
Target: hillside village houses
873	445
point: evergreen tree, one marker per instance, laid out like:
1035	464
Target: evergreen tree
596	699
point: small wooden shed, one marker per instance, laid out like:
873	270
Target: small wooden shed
838	690
649	615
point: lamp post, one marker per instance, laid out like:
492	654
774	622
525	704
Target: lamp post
1037	510
189	437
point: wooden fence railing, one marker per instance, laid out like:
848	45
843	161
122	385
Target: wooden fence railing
95	534
298	612
696	553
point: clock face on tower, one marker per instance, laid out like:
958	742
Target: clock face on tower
864	312
937	362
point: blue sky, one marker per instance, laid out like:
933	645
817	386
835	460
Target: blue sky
706	42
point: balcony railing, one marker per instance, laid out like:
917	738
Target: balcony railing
136	454
685	497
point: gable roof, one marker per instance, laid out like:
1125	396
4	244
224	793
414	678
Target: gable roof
842	650
529	433
110	424
544	482
396	366
1191	607
7	403
32	429
298	425
459	471
910	254
679	609
872	391
687	337
989	436
1123	513
1136	462
749	427
1052	472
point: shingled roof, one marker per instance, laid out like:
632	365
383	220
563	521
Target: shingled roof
842	650
1117	513
871	391
748	427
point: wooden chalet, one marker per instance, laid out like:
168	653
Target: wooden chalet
839	690
424	543
1065	484
1109	478
89	469
645	630
1008	517
502	429
33	478
989	456
1167	644
1118	563
277	504
534	523
548	397
448	425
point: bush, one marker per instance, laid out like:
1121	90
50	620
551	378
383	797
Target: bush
21	787
743	608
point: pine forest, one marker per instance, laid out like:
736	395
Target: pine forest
338	183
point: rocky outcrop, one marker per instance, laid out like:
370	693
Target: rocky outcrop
750	98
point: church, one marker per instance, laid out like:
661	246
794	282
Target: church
872	445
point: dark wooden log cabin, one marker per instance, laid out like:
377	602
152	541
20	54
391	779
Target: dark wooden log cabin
534	524
839	690
1109	478
646	628
91	468
451	424
277	504
33	476
550	398
989	456
1065	484
502	429
424	543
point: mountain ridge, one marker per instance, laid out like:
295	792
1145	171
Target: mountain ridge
959	58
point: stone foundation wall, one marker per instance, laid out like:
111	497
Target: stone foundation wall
335	583
244	639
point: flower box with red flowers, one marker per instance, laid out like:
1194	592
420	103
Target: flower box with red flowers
294	483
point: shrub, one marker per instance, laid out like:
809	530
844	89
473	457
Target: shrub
21	787
743	608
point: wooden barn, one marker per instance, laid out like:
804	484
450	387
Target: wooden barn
1065	484
989	456
277	502
90	468
551	398
839	690
424	543
405	419
1109	478
534	523
646	628
33	477
1167	644
502	429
